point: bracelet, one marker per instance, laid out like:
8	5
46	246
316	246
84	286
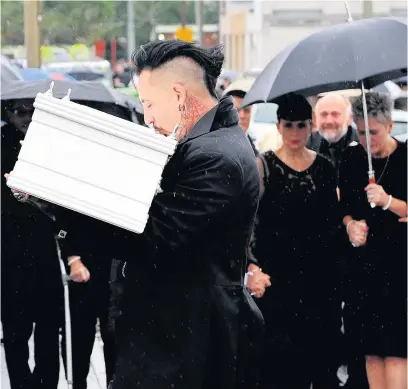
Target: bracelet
71	261
348	225
388	203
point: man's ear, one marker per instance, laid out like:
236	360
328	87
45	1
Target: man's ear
349	120
181	94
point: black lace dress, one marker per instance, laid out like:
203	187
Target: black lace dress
377	309
295	243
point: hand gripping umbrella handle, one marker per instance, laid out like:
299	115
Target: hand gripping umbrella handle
371	176
371	180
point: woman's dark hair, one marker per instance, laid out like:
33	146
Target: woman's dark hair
155	54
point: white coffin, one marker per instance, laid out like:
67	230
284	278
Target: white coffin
91	162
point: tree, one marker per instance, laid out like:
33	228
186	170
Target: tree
12	22
65	21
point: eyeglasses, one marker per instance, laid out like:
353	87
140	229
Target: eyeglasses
22	111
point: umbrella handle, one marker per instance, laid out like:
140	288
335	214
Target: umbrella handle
371	180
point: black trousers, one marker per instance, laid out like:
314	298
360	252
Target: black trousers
89	302
16	334
33	302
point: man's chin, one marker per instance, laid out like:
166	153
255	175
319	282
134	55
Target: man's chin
331	136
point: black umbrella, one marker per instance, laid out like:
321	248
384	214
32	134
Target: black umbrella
371	51
352	55
401	80
83	92
9	72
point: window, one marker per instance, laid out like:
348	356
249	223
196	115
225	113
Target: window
399	12
296	16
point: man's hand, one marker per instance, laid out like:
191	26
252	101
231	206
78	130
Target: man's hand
403	219
257	281
357	232
79	273
17	192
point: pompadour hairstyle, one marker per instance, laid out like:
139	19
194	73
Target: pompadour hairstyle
155	54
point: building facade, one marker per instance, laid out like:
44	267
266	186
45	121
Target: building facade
253	32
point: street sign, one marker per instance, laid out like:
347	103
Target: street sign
184	34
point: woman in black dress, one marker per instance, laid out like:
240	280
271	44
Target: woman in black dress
293	243
378	249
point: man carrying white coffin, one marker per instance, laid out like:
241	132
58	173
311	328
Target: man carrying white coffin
188	322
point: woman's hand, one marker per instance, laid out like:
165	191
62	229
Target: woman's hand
357	232
377	195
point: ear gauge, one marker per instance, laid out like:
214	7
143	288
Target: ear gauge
174	133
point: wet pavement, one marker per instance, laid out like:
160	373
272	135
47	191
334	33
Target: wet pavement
96	377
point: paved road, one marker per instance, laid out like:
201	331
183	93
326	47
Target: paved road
96	378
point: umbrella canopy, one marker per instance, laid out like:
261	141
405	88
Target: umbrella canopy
401	80
33	74
80	91
88	93
9	72
338	57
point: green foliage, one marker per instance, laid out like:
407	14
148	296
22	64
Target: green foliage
65	21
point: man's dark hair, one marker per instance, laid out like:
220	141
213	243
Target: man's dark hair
155	54
236	93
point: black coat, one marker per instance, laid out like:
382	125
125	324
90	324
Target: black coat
332	151
188	321
29	265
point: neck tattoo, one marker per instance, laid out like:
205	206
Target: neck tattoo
191	113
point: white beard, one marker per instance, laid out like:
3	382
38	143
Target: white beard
331	136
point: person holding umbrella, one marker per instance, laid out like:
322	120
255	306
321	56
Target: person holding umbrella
31	290
89	297
378	243
295	243
333	114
